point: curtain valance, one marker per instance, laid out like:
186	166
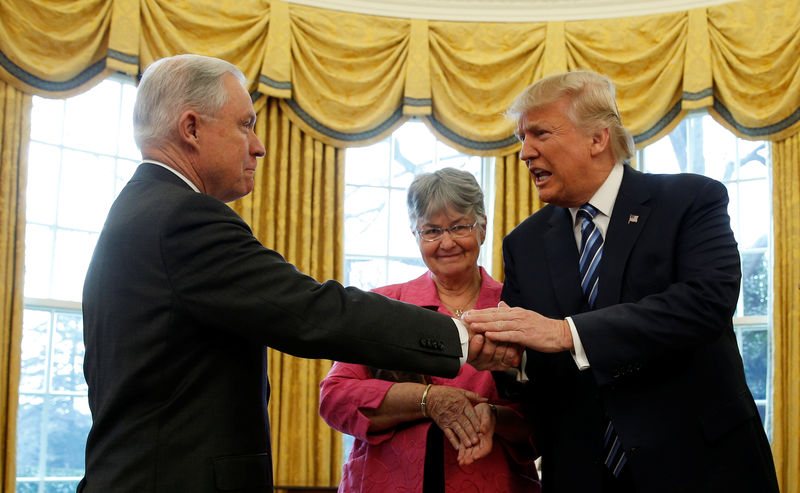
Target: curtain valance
350	79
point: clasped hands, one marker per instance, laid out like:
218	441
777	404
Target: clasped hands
507	329
466	420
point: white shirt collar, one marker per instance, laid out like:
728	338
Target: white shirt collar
604	198
151	161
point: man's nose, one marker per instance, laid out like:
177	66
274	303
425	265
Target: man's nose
527	152
258	148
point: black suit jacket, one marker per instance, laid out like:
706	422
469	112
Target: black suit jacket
179	304
664	360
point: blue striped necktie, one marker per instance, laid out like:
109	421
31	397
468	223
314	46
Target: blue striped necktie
591	252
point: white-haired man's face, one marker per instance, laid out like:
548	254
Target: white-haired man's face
228	147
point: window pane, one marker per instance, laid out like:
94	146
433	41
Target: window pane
87	190
29	427
754	220
27	486
719	149
414	149
35	341
659	157
366	221
42	187
754	356
368	165
402	242
127	144
68	351
48	116
753	159
67	427
365	273
61	486
38	260
73	251
402	270
125	170
755	283
92	119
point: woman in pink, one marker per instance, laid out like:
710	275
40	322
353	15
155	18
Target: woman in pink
408	428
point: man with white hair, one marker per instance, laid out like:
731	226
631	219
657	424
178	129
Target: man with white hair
181	300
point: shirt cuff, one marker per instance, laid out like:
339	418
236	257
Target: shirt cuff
463	336
578	354
520	374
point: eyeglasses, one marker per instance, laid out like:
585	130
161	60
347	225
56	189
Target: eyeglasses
456	231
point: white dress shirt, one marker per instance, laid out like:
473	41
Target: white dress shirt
603	200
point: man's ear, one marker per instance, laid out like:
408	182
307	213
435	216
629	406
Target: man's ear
601	140
187	128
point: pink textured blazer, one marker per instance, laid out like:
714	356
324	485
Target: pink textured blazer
393	460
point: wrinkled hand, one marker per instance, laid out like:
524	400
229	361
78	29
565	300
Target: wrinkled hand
452	410
519	326
486	354
468	455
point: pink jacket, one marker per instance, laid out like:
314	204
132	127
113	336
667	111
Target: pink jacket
393	460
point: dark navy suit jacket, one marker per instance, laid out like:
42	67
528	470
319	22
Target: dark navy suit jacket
665	366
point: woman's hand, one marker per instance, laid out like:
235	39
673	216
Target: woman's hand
452	409
488	418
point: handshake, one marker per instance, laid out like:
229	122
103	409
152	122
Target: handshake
498	336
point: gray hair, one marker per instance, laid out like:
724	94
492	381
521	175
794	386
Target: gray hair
592	105
173	85
447	188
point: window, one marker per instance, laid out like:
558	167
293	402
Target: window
379	248
701	145
81	155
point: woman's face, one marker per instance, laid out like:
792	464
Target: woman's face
449	257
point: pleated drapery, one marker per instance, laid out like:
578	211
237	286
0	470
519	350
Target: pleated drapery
515	198
786	309
297	209
15	109
332	79
350	79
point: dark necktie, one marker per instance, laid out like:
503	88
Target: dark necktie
591	252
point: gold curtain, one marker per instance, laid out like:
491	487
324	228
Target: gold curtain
350	79
15	108
345	79
296	208
786	309
515	199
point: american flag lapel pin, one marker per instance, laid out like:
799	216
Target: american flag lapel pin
633	218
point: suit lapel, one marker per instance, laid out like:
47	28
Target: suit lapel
562	261
627	220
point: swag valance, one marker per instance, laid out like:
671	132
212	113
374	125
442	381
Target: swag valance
350	79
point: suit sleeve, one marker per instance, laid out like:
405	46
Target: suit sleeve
692	309
223	278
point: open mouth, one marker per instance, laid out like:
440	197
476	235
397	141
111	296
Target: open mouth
540	176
